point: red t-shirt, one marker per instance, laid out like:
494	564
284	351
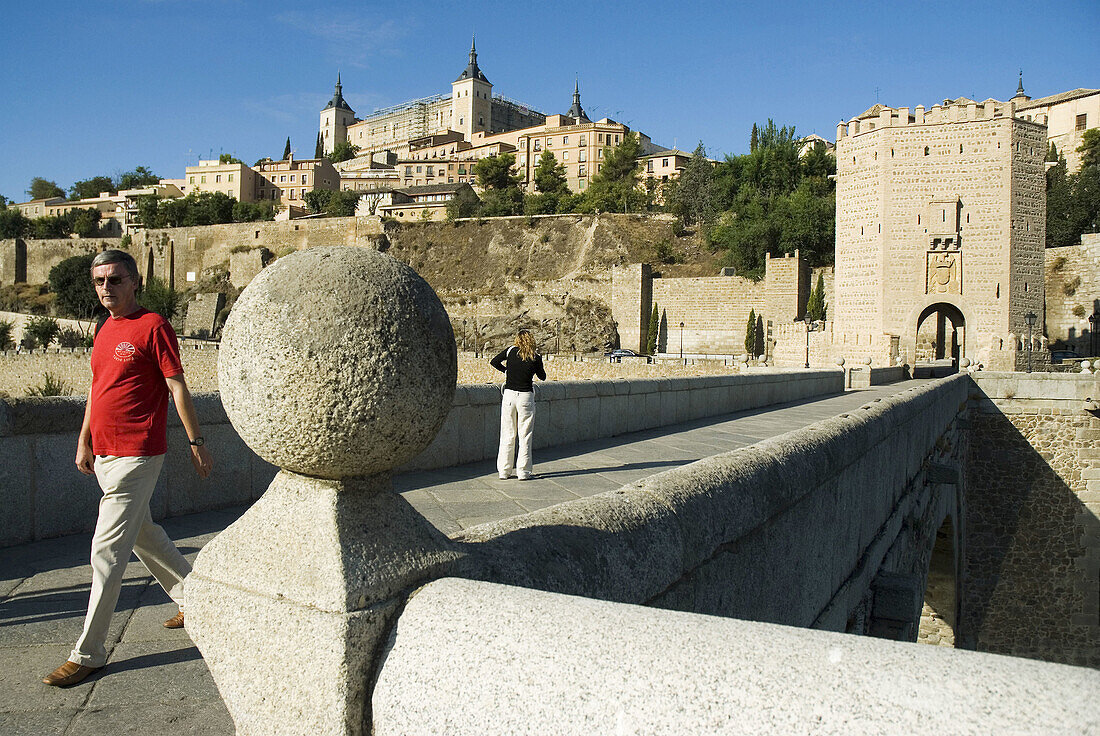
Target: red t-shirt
131	357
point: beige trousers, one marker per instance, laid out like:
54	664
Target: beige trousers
124	526
517	421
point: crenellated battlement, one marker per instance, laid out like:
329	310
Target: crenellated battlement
960	110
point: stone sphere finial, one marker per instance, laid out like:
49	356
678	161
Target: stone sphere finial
337	362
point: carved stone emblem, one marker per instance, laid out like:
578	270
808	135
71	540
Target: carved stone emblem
944	273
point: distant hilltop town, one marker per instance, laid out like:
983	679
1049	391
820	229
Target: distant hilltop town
413	157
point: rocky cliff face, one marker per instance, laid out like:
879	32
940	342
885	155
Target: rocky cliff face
551	275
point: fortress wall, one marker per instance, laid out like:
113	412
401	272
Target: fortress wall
714	310
180	255
44	495
30	260
1032	577
1072	275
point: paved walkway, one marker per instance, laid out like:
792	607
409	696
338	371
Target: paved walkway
156	682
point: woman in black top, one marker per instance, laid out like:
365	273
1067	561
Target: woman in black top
520	363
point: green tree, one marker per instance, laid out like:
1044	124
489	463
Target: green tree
614	188
228	158
91	188
770	202
463	204
13	223
1052	153
332	203
550	175
44	189
691	196
157	296
139	177
253	211
1073	200
754	138
501	194
71	282
651	332
815	306
286	149
84	221
319	149
750	334
343	151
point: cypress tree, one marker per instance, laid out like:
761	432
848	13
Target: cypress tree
286	151
651	335
815	306
319	150
754	139
750	334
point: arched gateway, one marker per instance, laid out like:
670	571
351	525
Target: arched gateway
940	334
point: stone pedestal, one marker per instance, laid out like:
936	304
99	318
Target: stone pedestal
337	365
288	604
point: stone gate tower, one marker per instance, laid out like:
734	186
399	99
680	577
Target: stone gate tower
940	229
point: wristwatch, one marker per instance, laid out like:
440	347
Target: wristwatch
198	442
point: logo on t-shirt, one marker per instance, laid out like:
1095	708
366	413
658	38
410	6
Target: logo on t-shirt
124	352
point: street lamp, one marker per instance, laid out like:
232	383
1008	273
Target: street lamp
681	342
464	335
1030	317
1094	338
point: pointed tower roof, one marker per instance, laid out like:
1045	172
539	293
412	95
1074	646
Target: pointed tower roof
337	100
576	111
471	71
1020	94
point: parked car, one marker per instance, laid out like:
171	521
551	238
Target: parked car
1057	356
621	353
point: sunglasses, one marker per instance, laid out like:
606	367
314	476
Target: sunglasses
112	280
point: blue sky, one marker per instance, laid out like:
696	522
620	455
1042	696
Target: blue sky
101	87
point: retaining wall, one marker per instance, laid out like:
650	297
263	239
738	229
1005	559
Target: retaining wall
43	495
1032	586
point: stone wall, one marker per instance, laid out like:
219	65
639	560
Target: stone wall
30	261
1032	576
714	310
44	495
1073	293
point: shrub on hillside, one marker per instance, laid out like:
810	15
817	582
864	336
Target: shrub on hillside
51	386
156	296
70	337
40	332
7	327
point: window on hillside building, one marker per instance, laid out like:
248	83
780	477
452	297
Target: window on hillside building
580	140
664	162
1082	120
230	177
217	178
582	156
565	140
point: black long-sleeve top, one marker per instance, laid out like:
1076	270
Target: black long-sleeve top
518	371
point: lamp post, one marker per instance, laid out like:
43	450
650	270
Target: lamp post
1094	338
464	335
1030	317
681	342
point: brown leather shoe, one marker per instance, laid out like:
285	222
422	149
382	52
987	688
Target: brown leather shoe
68	674
176	622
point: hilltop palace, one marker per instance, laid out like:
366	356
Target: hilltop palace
435	140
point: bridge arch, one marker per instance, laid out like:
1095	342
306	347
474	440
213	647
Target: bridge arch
939	614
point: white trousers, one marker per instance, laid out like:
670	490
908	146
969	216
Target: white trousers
124	526
517	418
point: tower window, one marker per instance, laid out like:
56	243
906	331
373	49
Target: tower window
926	150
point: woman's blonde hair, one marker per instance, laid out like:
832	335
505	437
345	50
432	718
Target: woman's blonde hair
526	345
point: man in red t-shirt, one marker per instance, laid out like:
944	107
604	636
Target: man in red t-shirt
135	366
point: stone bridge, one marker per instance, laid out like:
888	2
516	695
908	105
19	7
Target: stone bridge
336	604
